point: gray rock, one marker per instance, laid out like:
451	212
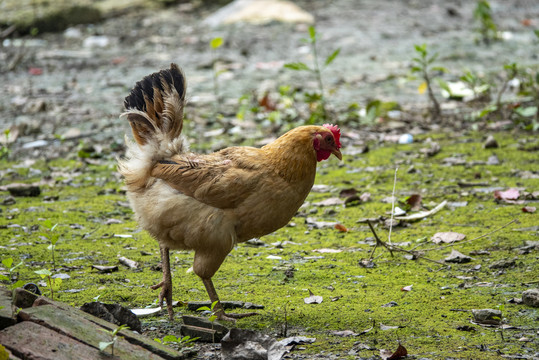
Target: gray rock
241	344
491	143
457	257
531	297
113	313
487	316
503	264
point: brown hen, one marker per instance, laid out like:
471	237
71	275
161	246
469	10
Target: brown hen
209	203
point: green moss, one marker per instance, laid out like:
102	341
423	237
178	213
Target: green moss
428	316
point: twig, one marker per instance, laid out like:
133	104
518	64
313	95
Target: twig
390	248
392	206
378	242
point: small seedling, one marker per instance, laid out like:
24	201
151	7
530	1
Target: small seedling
316	69
423	65
511	71
216	43
487	28
103	345
213	313
54	284
8	262
4	148
181	342
51	235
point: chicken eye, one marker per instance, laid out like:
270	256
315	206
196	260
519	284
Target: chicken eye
329	139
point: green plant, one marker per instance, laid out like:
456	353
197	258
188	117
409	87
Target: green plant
487	28
423	66
51	235
4	148
53	283
181	342
216	43
8	262
113	338
475	83
376	109
314	99
213	313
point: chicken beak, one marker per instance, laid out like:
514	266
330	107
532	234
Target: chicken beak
337	153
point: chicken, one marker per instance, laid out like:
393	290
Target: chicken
209	203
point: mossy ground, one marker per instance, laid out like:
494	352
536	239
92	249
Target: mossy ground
428	316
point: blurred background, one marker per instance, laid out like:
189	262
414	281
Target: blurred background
258	67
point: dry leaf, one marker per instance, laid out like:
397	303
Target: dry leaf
400	353
414	201
447	237
345	193
509	194
407	288
529	209
387	327
341	228
313	299
266	103
328	251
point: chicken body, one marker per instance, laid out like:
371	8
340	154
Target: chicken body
208	203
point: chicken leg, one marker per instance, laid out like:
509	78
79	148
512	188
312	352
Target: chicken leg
218	308
166	283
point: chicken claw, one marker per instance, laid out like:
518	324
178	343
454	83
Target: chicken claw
218	308
166	284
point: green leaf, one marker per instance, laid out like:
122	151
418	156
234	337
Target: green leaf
332	57
444	86
536	32
440	69
297	66
4	277
17	284
157	340
47	223
213	317
216	42
203	308
432	58
422	49
51	247
43	272
105	344
312	33
170	339
7	262
526	111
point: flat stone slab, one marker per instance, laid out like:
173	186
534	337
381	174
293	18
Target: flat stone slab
87	332
31	341
54	330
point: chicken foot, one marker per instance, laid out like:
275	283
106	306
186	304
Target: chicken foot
166	283
218	308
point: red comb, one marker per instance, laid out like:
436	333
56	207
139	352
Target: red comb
336	133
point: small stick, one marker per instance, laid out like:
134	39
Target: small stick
378	241
392	206
393	247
